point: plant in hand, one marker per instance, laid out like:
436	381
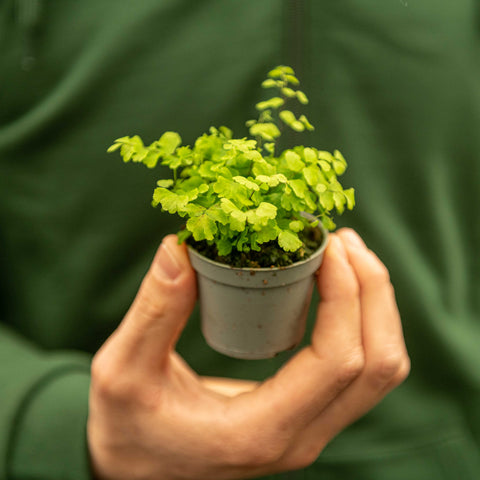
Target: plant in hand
243	201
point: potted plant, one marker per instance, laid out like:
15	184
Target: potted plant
256	220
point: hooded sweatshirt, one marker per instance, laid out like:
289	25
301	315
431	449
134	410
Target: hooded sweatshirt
393	84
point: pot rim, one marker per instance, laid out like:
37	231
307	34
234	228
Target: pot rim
225	266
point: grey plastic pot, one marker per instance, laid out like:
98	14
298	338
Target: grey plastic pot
255	313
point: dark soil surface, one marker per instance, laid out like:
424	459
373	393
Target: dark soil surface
271	255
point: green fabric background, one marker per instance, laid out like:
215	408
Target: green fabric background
394	84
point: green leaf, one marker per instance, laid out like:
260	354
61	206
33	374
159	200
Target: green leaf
192	194
311	201
237	217
275	73
151	159
267	233
328	223
247	183
289	241
340	200
291	202
241	241
293	161
182	235
280	71
302	98
303	119
339	163
170	201
169	141
242	145
310	155
185	155
202	227
296	226
299	187
193	210
264	212
286	69
297	126
269	83
289	118
115	146
338	155
324	165
274	103
222	170
272	180
237	220
165	183
326	200
253	155
216	213
324	155
205	170
192	182
226	188
227	206
311	174
267	131
262	167
292	79
335	186
131	147
224	246
225	132
270	148
289	92
350	196
339	167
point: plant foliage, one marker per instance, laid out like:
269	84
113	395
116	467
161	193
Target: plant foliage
238	193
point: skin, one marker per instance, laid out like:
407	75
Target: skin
151	417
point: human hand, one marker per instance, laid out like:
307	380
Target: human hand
151	417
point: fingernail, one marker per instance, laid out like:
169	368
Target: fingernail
168	263
354	239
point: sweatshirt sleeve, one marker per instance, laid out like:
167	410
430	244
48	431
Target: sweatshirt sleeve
43	412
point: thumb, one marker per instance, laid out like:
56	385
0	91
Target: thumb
160	310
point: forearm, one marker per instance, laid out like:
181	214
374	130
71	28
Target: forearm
43	411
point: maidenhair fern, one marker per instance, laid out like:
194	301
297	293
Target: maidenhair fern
238	193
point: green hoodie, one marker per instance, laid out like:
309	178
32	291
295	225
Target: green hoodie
393	83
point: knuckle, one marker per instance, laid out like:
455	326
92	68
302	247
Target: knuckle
350	368
100	373
148	306
350	288
403	371
348	291
379	274
305	452
306	458
108	382
256	454
389	367
247	447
